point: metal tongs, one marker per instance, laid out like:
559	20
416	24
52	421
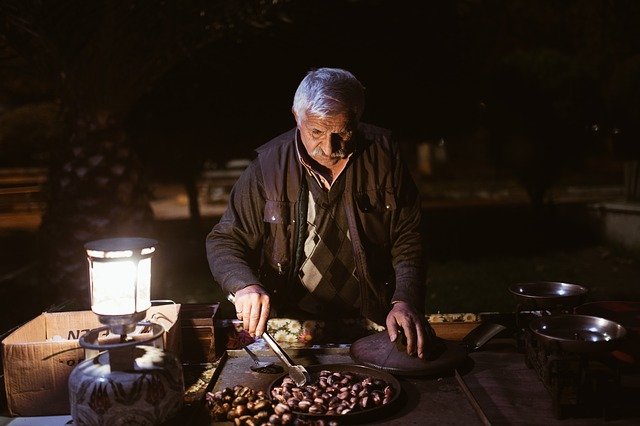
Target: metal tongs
297	372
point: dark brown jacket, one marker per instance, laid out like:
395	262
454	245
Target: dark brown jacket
255	242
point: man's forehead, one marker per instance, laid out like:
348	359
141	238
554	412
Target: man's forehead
339	120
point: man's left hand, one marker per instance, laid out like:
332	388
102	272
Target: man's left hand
404	318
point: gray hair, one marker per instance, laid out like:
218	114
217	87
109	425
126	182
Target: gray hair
326	92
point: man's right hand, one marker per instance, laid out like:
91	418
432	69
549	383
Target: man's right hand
253	305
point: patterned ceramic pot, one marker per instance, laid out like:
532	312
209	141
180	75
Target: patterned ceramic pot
148	394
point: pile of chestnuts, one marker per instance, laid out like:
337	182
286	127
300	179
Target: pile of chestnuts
332	394
241	405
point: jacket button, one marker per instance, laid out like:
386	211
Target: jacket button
273	218
388	206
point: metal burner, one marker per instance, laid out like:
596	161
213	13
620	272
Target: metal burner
541	298
582	384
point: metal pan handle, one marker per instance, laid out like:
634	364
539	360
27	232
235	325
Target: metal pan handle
297	372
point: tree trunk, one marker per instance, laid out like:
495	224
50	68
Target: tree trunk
632	180
95	191
191	186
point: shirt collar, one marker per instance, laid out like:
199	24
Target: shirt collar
302	155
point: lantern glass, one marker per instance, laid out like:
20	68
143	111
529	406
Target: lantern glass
120	275
121	288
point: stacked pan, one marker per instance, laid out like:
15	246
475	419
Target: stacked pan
583	331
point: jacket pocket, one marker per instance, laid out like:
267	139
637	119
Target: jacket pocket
375	210
376	201
277	212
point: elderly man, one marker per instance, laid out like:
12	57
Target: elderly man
325	221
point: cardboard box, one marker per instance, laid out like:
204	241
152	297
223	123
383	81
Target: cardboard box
39	356
197	321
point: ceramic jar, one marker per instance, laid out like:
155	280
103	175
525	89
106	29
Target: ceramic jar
148	393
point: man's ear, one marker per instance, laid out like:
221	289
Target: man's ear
295	116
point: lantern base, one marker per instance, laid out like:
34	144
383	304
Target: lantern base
149	393
122	324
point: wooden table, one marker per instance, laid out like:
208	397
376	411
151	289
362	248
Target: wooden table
511	393
494	386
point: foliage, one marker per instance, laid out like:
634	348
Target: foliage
538	114
100	57
623	107
27	133
104	55
543	64
116	69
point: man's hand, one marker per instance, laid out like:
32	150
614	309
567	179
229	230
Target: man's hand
252	307
403	317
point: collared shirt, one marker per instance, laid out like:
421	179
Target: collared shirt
328	270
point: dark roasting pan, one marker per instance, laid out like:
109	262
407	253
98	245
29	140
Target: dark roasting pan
442	356
578	333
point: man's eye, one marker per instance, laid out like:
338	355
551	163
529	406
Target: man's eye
346	135
316	133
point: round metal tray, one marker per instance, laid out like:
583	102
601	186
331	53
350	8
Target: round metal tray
363	415
550	294
578	333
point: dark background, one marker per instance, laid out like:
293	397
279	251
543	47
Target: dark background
115	100
435	69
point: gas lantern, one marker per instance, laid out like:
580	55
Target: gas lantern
125	379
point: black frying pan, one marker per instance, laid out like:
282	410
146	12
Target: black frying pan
578	333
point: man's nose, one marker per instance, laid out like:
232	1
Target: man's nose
327	144
331	143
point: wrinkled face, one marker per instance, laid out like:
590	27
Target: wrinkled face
327	140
